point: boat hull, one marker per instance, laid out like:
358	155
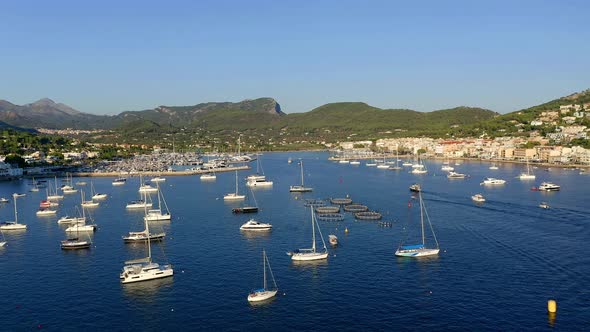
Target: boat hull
309	256
147	275
417	253
262	296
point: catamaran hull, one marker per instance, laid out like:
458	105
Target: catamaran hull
158	217
309	256
417	253
261	296
145	276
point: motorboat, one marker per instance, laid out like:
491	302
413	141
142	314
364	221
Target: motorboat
544	205
492	181
549	186
245	209
415	188
333	239
478	198
46	212
355	162
253	225
455	175
208	176
71	220
119	181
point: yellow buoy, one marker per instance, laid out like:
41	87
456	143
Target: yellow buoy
552	306
346	230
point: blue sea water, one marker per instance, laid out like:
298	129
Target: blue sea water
499	262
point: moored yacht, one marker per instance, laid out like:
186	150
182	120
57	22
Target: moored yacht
478	198
549	186
455	175
253	225
492	181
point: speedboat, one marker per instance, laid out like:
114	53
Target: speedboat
478	198
71	220
544	205
253	225
333	239
4	200
415	187
492	181
549	186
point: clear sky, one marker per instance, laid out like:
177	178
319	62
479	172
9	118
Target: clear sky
108	56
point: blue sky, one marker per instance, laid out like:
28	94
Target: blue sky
107	56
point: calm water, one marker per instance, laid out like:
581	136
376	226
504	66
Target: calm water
499	263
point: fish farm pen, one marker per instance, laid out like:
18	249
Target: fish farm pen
341	201
356	208
368	215
327	209
314	202
330	216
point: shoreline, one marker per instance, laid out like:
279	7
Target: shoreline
159	173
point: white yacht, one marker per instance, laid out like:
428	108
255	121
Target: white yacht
146	188
119	181
492	181
478	198
259	182
85	203
143	236
355	162
208	176
549	186
138	204
158	179
253	225
455	175
46	212
96	195
81	227
71	220
311	254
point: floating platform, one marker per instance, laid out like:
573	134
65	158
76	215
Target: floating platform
327	209
330	217
368	215
356	208
314	202
341	201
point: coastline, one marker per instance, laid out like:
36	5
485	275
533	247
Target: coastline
159	173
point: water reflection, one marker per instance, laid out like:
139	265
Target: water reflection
146	290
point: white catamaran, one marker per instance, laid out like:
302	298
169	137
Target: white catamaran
419	250
264	293
311	254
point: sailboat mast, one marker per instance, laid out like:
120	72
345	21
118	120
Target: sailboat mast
264	267
147	228
312	230
236	183
159	200
302	173
15	212
422	219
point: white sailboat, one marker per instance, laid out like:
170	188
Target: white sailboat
156	214
13	225
144	269
311	254
53	195
145	234
89	203
419	168
419	250
209	176
68	188
264	293
397	167
35	186
72	220
81	225
302	187
94	194
528	175
234	196
76	243
158	179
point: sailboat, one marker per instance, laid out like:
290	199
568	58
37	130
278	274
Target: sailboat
89	203
144	269
397	167
419	168
13	225
302	187
234	196
35	186
528	175
258	180
3	242
53	195
383	165
94	194
145	234
311	254
68	188
247	208
264	293
447	167
80	225
145	188
209	176
75	243
156	214
419	250
72	220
